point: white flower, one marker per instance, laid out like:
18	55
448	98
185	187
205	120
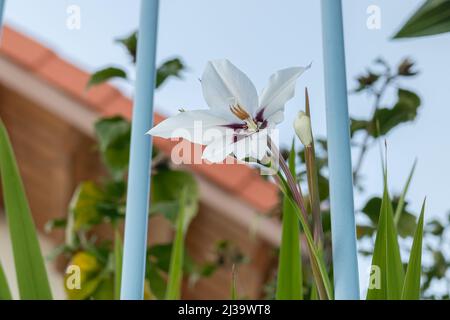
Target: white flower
302	126
237	121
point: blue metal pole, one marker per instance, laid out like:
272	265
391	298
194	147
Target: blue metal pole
136	220
345	262
2	7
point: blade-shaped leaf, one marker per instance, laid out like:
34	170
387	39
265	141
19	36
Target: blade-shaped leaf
233	283
401	201
411	286
314	253
387	274
118	254
5	293
175	276
289	280
30	269
433	17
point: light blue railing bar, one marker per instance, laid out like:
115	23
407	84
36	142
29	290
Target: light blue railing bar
345	262
2	9
136	220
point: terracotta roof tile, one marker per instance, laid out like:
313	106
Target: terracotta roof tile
238	179
73	80
262	194
118	106
23	50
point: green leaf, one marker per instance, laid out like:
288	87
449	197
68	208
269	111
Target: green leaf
157	282
289	279
105	75
30	269
386	281
175	276
5	293
105	289
169	68
404	110
315	255
411	286
118	252
84	205
130	43
401	201
169	209
386	119
372	210
167	186
405	226
358	125
234	295
113	135
432	18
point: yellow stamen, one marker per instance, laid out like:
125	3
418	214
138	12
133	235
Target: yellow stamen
239	112
242	114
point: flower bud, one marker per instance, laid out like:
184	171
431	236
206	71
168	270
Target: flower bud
302	126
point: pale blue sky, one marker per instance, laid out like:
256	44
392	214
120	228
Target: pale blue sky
261	36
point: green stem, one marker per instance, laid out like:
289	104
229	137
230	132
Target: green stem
118	262
319	271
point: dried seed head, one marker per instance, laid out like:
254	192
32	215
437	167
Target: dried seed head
302	127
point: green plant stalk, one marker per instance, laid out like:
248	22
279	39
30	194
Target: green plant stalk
233	283
313	186
291	184
118	251
317	265
30	269
411	285
289	279
401	201
5	293
313	183
176	260
386	258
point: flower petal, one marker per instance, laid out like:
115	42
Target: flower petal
225	85
280	89
191	125
219	149
253	146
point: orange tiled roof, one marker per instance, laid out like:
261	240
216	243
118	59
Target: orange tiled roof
106	100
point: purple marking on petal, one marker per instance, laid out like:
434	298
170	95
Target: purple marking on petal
235	126
238	137
260	115
263	125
